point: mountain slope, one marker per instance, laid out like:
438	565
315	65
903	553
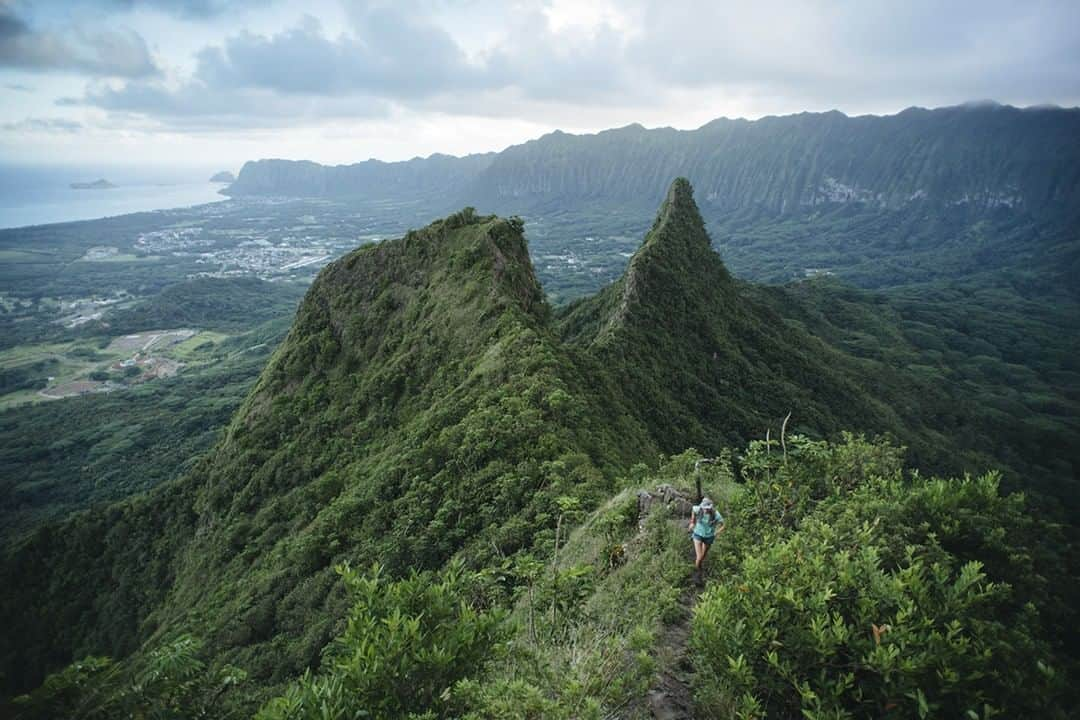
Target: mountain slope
427	404
410	180
982	157
706	365
418	407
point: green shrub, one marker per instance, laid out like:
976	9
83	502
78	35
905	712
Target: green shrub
880	605
406	643
173	683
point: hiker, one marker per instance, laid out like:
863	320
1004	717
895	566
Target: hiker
705	522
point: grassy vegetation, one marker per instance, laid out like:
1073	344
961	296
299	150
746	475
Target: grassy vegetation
843	586
48	367
856	589
198	345
999	373
429	407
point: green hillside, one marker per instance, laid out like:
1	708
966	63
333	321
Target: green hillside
429	412
705	365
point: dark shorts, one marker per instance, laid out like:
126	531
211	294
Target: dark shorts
706	540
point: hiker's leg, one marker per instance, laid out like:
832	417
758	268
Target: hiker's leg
699	553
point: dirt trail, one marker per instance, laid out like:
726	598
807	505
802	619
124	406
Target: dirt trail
670	697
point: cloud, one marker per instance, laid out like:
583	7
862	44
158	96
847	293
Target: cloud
116	53
48	125
850	52
551	59
391	54
197	106
302	73
188	9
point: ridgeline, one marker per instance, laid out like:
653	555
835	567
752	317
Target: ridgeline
429	412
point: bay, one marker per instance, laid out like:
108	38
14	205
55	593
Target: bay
38	195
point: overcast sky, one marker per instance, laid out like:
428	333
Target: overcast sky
218	82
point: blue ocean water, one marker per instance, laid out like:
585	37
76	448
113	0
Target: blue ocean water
36	195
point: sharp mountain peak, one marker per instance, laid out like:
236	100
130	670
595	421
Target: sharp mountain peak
676	253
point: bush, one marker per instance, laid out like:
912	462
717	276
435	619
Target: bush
406	644
879	605
172	683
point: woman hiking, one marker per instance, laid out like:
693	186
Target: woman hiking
705	523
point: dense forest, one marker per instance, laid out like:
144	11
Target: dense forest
428	506
107	446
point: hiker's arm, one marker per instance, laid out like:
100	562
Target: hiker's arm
693	517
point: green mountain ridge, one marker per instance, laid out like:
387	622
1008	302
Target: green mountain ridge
982	157
979	192
709	364
428	404
411	362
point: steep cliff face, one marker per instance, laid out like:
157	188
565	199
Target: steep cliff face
979	157
415	179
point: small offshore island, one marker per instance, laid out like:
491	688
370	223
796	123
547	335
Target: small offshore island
223	177
100	184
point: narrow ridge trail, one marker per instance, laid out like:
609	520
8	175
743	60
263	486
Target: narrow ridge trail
671	697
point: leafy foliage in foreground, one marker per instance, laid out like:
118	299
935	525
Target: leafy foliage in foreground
843	588
855	592
172	683
406	644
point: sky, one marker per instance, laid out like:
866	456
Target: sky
213	83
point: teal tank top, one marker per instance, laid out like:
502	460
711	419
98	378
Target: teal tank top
704	527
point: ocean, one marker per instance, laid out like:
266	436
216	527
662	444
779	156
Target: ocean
36	195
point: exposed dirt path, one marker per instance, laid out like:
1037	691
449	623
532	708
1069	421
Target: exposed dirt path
670	697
